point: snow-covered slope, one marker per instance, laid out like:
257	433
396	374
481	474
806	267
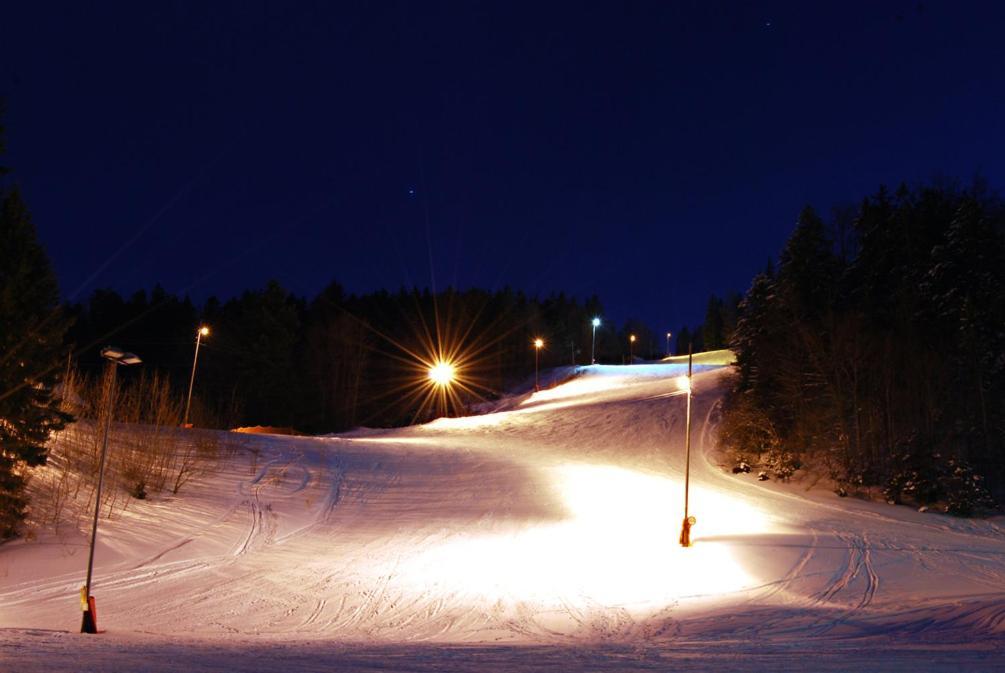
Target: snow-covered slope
541	536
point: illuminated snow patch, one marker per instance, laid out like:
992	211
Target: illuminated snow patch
618	546
586	385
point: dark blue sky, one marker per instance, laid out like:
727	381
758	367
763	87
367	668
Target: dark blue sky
651	153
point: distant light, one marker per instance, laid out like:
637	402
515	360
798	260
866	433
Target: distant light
442	373
684	383
669	335
632	338
204	331
596	322
538	343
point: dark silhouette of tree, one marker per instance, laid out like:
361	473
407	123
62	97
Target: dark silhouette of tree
881	359
32	326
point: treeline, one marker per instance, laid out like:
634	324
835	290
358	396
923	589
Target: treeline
341	360
877	348
716	331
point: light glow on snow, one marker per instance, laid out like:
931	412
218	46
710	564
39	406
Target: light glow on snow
587	385
618	546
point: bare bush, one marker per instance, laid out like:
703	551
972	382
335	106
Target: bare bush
147	451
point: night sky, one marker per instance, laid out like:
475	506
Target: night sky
651	153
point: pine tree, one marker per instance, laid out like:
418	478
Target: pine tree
32	327
684	339
712	330
964	297
807	270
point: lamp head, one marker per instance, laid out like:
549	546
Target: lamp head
596	322
442	373
119	356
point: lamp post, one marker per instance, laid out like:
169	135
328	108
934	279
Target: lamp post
631	348
538	343
593	342
668	343
685	530
115	357
199	334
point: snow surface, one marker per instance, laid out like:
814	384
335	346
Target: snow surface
542	537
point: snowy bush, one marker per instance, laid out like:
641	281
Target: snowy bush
966	491
927	479
782	463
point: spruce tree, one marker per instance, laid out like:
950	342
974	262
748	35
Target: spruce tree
964	299
808	269
32	327
712	328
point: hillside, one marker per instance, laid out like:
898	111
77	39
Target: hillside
544	536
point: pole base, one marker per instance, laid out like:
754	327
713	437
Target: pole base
89	624
685	531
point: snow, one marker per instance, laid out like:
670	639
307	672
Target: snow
541	537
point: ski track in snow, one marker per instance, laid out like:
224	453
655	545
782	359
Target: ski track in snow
344	539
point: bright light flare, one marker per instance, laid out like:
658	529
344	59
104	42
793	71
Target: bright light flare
596	322
442	373
538	343
683	383
616	545
204	331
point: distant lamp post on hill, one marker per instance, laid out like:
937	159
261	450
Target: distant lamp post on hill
684	383
631	348
115	357
668	343
593	342
199	334
538	344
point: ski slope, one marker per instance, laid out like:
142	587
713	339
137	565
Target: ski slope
539	537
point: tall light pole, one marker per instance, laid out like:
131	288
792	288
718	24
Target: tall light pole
631	348
668	343
685	530
199	334
538	343
115	357
593	342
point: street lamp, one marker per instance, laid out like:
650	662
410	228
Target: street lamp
442	373
199	334
593	342
538	343
631	348
668	343
684	383
115	357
